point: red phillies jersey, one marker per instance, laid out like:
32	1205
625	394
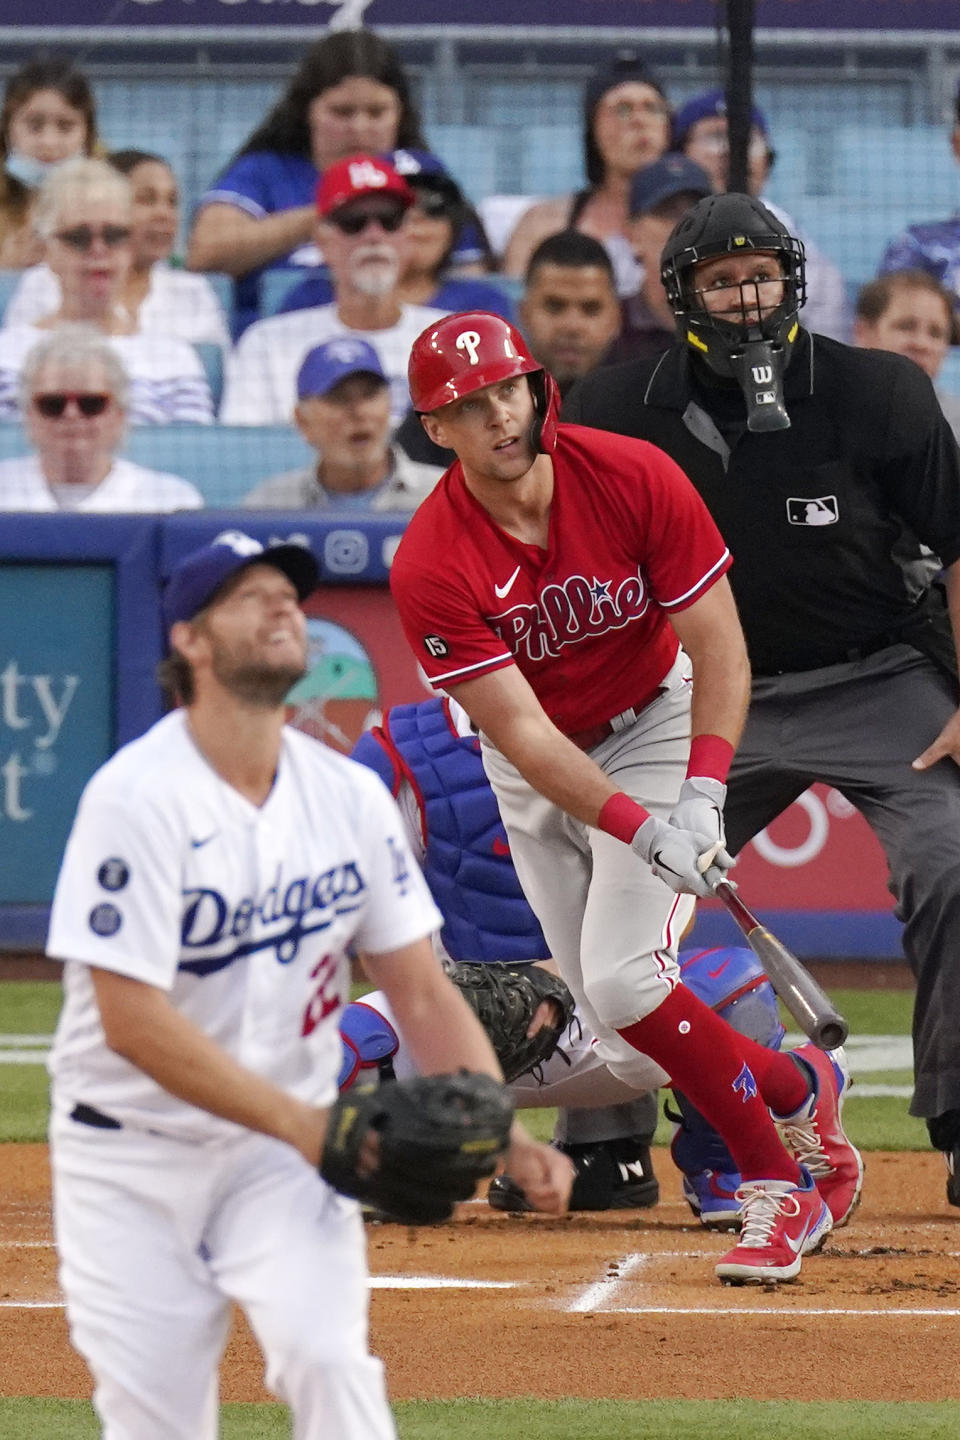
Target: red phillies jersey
586	618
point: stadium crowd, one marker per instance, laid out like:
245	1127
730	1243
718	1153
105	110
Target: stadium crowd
335	221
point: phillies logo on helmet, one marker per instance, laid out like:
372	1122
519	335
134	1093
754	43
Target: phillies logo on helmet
469	341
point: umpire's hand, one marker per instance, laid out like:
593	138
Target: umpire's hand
946	746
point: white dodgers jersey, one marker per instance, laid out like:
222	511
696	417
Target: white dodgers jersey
244	915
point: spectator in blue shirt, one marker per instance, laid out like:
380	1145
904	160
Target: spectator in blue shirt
350	94
933	246
439	223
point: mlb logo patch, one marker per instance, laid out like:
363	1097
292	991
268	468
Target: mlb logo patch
821	510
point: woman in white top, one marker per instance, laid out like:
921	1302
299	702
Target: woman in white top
158	298
84	215
74	396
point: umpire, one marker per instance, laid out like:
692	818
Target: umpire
820	464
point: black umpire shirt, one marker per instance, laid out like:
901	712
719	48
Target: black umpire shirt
811	514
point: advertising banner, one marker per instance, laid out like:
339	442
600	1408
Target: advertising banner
56	713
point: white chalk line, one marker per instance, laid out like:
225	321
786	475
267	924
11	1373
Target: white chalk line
588	1301
377	1282
786	1312
718	1311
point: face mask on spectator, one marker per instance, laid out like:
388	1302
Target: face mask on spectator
29	170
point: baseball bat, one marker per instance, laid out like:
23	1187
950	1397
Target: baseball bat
807	1003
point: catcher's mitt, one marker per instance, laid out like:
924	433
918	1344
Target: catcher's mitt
505	1000
438	1135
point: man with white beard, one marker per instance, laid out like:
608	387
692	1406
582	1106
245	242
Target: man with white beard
362	206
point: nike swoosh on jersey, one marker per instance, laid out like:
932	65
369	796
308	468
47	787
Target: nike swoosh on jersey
502	591
714	974
199	844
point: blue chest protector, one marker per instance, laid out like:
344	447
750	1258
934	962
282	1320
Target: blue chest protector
467	860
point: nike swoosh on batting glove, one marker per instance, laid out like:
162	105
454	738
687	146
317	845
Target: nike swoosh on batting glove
679	857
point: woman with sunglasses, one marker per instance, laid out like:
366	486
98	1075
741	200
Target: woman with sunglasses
626	126
47	117
84	216
349	94
74	399
439	223
161	298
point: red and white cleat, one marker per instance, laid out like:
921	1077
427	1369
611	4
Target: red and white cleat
814	1134
780	1223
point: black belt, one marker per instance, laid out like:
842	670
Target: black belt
87	1115
839	657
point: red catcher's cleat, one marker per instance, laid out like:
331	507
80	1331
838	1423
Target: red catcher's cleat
814	1133
780	1223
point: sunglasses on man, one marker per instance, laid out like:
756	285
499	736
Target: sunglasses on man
353	222
53	404
82	237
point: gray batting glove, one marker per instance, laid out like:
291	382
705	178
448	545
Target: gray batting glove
699	808
680	857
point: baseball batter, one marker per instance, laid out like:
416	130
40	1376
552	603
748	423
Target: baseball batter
555	583
218	871
429	757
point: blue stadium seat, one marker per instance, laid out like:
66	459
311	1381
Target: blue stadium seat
211	358
898	165
222	286
9	280
949	377
551	159
225	462
275	285
470	153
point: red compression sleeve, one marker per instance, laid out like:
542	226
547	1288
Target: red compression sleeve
710	756
621	817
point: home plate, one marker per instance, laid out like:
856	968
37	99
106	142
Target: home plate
435	1282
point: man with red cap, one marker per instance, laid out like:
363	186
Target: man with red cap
362	205
567	587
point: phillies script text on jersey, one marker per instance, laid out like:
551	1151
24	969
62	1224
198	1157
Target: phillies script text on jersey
280	917
584	617
569	613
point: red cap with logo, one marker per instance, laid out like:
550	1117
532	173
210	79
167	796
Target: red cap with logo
355	178
473	349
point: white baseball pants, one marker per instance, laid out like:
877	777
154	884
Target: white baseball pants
611	925
157	1238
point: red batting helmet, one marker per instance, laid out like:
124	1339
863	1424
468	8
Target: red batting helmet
469	351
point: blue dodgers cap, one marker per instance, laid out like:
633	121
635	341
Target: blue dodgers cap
708	106
672	174
195	581
326	365
422	167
